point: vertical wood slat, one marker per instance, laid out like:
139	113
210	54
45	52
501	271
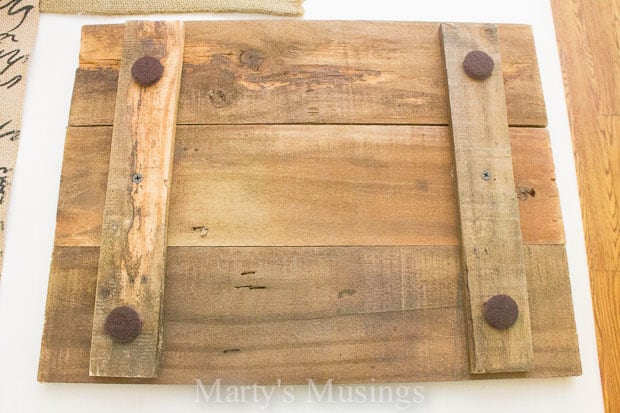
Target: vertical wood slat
489	213
133	240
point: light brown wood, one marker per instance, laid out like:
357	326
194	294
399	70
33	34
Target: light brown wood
390	314
132	257
281	71
490	225
588	34
353	313
293	185
605	286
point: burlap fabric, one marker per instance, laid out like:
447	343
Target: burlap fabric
279	7
19	21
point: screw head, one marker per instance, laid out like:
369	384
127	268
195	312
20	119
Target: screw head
137	178
123	324
478	65
501	312
486	175
147	71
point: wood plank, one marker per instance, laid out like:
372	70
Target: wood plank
595	135
230	175
373	315
605	294
588	40
599	170
490	232
350	313
301	72
133	238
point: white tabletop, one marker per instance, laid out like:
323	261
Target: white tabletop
32	216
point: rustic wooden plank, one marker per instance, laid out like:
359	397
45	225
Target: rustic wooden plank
352	330
93	86
491	237
353	314
222	174
301	72
133	238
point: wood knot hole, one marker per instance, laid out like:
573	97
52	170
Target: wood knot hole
252	59
218	98
523	192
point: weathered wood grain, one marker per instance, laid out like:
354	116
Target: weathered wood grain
261	310
265	72
490	225
297	185
390	314
134	225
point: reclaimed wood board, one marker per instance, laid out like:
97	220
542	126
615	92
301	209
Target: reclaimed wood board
490	224
392	314
132	260
309	72
313	228
401	169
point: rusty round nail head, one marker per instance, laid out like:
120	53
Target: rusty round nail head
501	312
478	65
123	324
147	70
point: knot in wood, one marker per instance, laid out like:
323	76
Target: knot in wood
218	98
252	58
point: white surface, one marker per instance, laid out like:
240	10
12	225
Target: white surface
32	216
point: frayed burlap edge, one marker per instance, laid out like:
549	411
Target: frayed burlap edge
124	7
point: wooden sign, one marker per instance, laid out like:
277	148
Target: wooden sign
325	201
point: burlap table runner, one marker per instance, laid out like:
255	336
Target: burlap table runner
281	7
